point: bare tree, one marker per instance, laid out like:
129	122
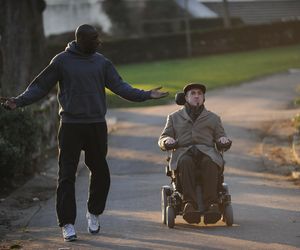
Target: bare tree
187	30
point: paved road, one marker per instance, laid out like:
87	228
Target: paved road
266	206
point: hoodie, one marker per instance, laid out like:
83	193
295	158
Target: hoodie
82	79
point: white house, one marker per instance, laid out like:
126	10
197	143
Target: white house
257	11
65	15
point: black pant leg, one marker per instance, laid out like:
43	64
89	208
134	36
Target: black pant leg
70	143
209	172
95	159
186	174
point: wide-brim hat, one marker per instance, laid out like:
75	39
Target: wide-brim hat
194	86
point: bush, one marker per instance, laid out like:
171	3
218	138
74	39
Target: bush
19	137
296	122
297	102
9	158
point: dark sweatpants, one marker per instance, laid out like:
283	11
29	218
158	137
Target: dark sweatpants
196	167
92	138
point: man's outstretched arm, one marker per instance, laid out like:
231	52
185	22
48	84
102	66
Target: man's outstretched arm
36	90
115	83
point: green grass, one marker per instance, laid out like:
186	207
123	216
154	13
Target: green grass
215	71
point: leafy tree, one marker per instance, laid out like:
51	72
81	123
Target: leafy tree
158	17
156	9
118	12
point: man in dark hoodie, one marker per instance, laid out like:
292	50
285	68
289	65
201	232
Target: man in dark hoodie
82	75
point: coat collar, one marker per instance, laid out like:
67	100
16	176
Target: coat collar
185	115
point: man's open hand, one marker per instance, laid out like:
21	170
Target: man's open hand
156	94
8	103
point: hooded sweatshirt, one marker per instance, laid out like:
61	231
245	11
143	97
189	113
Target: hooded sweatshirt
82	79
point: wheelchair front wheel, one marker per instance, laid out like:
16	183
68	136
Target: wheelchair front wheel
165	192
170	214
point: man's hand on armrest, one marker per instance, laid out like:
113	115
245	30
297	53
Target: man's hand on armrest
170	143
223	143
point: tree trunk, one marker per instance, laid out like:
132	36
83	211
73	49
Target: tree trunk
21	43
227	21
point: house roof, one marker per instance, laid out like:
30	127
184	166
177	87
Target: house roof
197	9
243	1
258	11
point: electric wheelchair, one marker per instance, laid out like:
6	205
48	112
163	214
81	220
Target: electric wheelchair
171	198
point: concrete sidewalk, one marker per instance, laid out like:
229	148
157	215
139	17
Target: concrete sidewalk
295	173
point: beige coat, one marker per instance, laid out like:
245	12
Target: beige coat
203	133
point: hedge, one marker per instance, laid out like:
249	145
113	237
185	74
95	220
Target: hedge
19	139
170	46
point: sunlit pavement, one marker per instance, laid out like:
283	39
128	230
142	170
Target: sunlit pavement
266	206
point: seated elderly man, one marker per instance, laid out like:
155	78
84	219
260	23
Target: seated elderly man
192	133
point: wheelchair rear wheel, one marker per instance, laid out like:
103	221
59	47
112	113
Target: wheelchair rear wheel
228	215
170	214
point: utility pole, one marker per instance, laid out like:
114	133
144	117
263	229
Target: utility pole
187	29
227	21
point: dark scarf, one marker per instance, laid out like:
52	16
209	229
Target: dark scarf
193	111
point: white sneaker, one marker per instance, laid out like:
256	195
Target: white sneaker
68	232
93	223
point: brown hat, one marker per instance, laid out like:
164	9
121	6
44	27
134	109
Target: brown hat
194	86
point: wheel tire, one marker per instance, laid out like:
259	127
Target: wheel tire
170	214
164	203
228	215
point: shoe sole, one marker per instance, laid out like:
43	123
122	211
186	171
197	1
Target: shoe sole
212	218
192	217
71	238
92	231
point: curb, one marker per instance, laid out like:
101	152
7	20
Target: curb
296	154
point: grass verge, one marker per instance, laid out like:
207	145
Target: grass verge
215	71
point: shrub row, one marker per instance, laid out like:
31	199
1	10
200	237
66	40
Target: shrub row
27	136
19	140
207	42
167	25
